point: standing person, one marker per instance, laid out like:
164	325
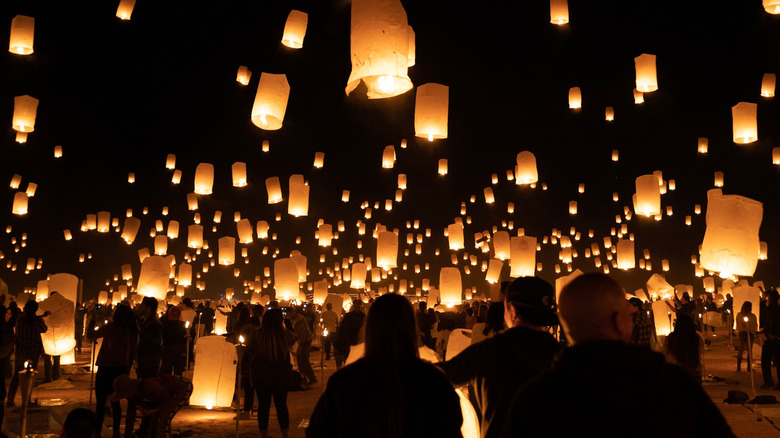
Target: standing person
594	386
348	333
425	325
390	391
747	326
494	324
158	398
207	318
268	351
498	366
117	352
6	348
685	346
771	349
174	346
78	319
642	333
330	323
28	346
304	336
150	337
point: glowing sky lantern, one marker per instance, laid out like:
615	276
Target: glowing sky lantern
455	236
745	126
731	244
238	169
243	75
358	278
154	277
214	374
639	97
273	90
262	229
244	228
127	272
379	46
575	98
300	264
746	293
295	29
204	178
388	157
22	35
525	169
647	200
319	159
662	318
493	274
184	276
25	112
522	261
431	111
170	161
387	250
195	236
646	80
125	9
768	85
626	258
298	203
130	229
20	203
559	12
320	291
772	6
325	233
161	244
274	189
285	279
443	166
58	339
501	245
450	286
227	250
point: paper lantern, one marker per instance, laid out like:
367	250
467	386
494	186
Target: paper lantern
450	286
559	12
300	264
731	244
493	274
57	151
745	127
161	245
380	39
525	169
25	112
298	204
184	276
431	110
244	229
709	284
455	235
130	229
522	259
270	104
127	272
345	196
626	258
388	157
646	80
195	236
325	235
762	251
58	339
262	229
501	245
204	178
274	189
662	318
718	179
387	250
227	250
358	276
239	174
320	292
772	6
20	203
575	98
170	162
173	230
214	374
285	279
443	166
319	159
22	35
243	75
489	197
295	29
703	145
647	200
572	207
768	85
125	9
154	277
639	97
609	114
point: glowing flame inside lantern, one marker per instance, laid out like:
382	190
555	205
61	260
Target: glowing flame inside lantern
386	83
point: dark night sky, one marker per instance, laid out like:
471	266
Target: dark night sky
121	95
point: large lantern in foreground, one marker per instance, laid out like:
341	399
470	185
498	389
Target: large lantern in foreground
559	12
273	90
646	80
154	277
525	169
285	279
58	339
731	244
204	178
450	286
647	200
431	109
295	29
214	374
380	39
125	9
22	35
745	126
522	261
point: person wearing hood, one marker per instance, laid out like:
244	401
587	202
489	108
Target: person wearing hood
498	366
596	386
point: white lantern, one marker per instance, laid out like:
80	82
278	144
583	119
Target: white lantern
22	35
270	104
522	256
154	277
239	174
195	236
214	374
274	189
243	75
298	204
244	229
20	203
125	9
450	286
525	170
646	80
295	29
204	178
626	258
647	200
25	112
431	111
387	250
227	250
744	123
731	244
285	279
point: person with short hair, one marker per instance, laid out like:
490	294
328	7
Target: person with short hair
643	331
596	386
497	366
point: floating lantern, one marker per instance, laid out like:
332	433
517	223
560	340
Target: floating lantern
170	162
25	111
731	244
274	189
626	258
227	250
204	178
20	203
154	277
243	75
325	235
609	114
762	251
57	151
718	179
298	205
380	38
575	98
161	245
58	340
285	279
270	104
768	85
387	250
262	229
295	29
388	157
703	145
525	170
501	245
489	198
744	123
646	80
776	155
103	221
647	200
195	236
522	259
450	286
244	228
130	229
559	12
662	318
22	35
455	235
320	292
239	174
214	374
431	110
772	6
639	97
358	273
493	274
443	166
319	159
572	207
125	9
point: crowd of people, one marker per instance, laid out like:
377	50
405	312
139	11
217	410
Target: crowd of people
592	355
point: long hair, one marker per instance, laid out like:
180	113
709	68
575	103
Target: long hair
124	319
747	307
683	343
271	337
30	307
495	319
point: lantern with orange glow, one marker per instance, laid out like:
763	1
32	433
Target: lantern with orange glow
274	189
239	174
22	35
455	235
285	279
768	85
154	277
214	373
647	200
298	204
388	157
559	12
626	258
243	75
731	244
270	104
227	250
450	286
387	250
525	169
522	256
125	9
204	178
431	111
295	29
745	127
25	112
575	98
646	80
244	229
772	6
195	236
20	203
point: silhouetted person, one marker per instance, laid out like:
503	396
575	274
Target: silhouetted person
29	347
149	339
80	423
